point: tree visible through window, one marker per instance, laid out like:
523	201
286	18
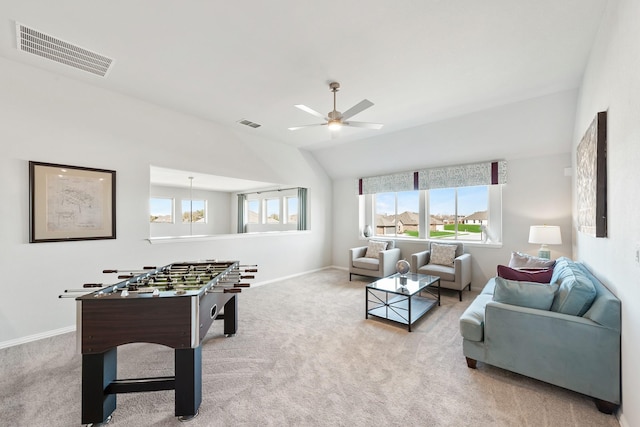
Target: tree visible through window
272	211
194	211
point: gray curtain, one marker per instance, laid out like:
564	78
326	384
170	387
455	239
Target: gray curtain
302	208
241	204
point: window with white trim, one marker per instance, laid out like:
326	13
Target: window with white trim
161	210
194	211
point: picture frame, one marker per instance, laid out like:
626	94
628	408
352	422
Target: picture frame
69	203
591	180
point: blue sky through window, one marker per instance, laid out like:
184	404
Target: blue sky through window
470	200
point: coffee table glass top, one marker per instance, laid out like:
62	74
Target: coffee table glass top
396	284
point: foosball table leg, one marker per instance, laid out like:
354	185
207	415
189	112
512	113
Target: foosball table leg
188	382
231	316
98	371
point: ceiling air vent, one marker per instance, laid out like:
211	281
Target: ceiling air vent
49	47
249	123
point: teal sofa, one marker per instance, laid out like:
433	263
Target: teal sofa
574	344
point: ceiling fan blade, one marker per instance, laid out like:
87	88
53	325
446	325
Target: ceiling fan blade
310	111
364	125
307	126
359	107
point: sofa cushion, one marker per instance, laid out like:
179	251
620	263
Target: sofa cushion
472	320
576	292
442	254
374	248
520	260
539	276
524	294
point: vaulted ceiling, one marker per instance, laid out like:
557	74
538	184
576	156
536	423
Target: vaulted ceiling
418	61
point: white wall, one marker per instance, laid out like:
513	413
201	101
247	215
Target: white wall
611	82
537	192
47	118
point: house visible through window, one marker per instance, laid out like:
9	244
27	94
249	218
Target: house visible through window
453	213
161	210
397	214
458	213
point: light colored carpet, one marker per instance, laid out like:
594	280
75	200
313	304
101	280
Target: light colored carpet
304	355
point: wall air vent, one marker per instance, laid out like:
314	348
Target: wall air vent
249	123
49	47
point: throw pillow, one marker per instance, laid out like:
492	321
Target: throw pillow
442	254
520	260
374	249
525	294
538	276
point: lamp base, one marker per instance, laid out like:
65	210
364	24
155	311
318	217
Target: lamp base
544	252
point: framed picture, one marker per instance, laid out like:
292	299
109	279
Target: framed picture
591	178
71	203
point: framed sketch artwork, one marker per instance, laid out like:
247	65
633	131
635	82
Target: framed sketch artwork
71	203
591	178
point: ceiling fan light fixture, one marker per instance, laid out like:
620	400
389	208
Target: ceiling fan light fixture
334	124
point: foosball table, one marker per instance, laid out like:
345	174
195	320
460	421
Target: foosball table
173	306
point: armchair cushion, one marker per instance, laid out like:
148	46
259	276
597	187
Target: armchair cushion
447	273
366	263
443	254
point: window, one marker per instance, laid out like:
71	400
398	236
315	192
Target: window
161	210
453	213
253	212
272	211
291	206
397	214
194	211
458	213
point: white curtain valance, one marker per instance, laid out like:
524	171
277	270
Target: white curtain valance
486	173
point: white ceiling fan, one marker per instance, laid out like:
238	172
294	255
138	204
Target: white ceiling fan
334	120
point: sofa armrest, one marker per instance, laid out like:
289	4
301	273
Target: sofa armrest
569	351
359	252
388	260
418	260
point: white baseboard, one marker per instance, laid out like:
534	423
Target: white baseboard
36	337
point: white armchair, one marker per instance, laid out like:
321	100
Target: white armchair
381	266
455	275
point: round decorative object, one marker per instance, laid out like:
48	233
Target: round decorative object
403	267
367	231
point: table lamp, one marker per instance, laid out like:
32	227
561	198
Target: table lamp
545	235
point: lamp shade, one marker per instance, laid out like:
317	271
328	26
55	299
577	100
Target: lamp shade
545	235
